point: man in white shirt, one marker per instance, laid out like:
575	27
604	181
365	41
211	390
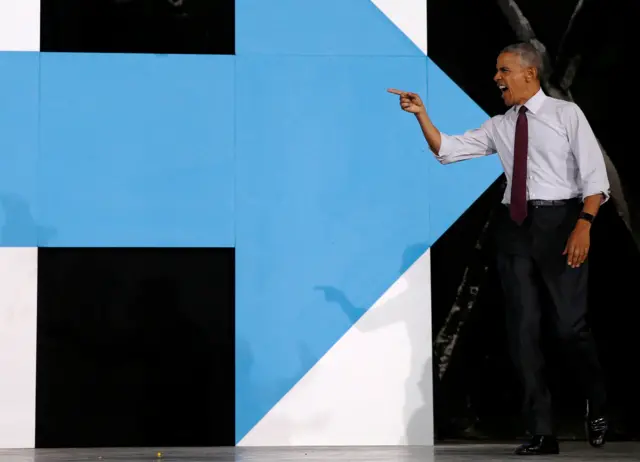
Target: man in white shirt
556	182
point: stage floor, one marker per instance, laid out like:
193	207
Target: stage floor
577	451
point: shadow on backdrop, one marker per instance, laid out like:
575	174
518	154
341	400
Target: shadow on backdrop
19	228
416	421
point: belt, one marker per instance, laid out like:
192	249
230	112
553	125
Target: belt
550	203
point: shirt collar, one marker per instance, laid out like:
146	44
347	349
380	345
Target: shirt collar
535	102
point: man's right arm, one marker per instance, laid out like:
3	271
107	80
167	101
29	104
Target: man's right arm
447	148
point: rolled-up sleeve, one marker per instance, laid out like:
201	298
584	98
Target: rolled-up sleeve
471	144
588	154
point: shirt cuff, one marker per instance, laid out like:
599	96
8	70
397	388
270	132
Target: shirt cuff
445	149
606	195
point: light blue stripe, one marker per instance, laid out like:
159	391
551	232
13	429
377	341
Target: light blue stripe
332	185
137	150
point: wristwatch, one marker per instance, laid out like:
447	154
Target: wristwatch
586	216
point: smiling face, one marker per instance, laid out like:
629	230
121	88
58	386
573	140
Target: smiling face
517	81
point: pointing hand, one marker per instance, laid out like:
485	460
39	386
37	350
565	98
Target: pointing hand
409	102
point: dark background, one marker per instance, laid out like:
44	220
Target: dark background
479	396
138	26
135	347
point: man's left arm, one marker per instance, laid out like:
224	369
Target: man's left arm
592	174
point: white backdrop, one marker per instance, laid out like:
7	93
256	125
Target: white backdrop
18	324
373	387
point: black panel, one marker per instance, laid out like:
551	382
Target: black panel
479	382
138	26
465	46
135	347
479	396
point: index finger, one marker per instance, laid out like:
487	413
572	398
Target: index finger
397	92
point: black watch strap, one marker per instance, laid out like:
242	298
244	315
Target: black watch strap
586	216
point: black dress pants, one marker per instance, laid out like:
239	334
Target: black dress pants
537	280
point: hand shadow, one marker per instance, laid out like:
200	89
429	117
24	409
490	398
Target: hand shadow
398	305
20	227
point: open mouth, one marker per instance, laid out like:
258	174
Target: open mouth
503	89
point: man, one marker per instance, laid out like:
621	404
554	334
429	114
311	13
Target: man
556	182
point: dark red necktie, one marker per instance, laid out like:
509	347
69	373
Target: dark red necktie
518	205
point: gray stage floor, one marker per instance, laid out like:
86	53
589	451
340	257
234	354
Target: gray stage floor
442	453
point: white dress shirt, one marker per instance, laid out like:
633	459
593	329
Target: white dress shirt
564	159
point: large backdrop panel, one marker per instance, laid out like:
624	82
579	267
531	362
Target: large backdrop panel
218	228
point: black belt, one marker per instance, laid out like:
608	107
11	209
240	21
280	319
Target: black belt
550	203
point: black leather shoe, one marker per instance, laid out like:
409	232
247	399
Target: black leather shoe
597	431
539	445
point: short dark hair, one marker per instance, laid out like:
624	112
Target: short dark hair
529	55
